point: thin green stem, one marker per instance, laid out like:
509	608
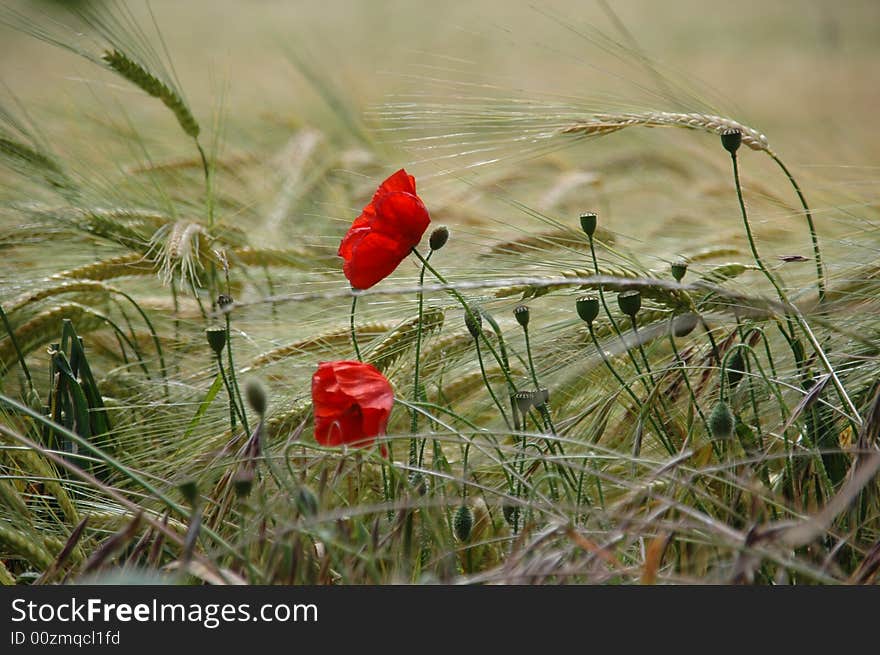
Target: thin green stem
237	397
414	423
354	339
821	280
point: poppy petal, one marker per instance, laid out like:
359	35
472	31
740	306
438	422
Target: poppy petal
352	402
399	181
373	259
403	215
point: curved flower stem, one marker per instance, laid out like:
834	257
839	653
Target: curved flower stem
684	375
821	281
234	409
414	424
469	312
488	385
237	398
610	316
753	246
354	339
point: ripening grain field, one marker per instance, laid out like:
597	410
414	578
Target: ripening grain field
410	292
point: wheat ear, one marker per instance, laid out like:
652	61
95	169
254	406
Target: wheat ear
142	78
600	124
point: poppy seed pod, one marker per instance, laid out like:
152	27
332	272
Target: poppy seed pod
463	523
510	512
190	491
438	237
243	482
473	320
256	396
523	401
684	324
418	482
587	308
679	269
721	421
541	396
216	339
735	368
521	314
630	302
588	223
731	140
306	501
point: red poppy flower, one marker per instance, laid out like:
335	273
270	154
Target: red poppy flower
387	229
352	402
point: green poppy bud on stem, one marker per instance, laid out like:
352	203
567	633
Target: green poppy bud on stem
510	511
256	396
463	523
438	237
521	314
243	482
473	321
588	308
721	421
735	369
306	501
588	223
679	269
216	339
731	140
190	491
418	483
630	302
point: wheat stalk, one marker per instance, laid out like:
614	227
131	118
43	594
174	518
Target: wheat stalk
142	78
327	340
404	336
121	266
601	124
26	546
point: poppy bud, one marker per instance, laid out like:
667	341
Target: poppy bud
679	268
731	140
463	523
473	321
684	324
190	491
735	368
521	314
588	308
243	482
588	223
438	237
224	301
216	339
630	302
306	501
721	421
256	396
510	512
418	483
